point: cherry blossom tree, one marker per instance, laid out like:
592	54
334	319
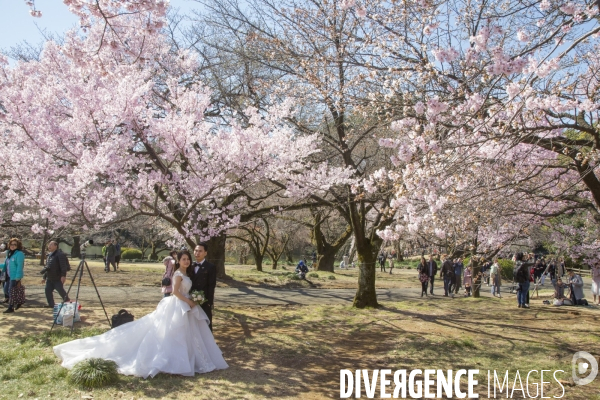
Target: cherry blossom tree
496	106
113	121
308	51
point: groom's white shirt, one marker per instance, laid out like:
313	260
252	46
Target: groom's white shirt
197	267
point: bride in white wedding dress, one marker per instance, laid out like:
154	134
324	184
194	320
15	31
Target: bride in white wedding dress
174	339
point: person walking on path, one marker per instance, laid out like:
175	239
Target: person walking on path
382	258
423	276
596	282
468	280
431	272
495	278
458	271
447	273
391	261
110	256
13	268
55	275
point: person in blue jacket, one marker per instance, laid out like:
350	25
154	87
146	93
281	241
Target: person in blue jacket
13	266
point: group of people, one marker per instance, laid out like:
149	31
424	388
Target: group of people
111	254
11	274
383	257
203	275
528	270
452	272
568	286
12	263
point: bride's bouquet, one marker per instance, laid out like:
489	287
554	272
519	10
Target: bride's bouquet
198	296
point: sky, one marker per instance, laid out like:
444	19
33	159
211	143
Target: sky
16	25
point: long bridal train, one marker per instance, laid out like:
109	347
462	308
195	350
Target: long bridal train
173	339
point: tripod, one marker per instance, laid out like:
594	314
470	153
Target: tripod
79	272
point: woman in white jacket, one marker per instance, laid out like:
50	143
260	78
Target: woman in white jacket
596	282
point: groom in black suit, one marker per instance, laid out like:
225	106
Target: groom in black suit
204	277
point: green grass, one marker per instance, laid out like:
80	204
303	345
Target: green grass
295	352
94	373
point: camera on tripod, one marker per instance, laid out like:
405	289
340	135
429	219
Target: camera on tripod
86	244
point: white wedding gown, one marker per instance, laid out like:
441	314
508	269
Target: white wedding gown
173	339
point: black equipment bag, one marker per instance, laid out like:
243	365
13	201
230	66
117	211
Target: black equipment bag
121	318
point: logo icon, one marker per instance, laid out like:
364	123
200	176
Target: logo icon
581	367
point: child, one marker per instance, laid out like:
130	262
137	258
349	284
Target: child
467	290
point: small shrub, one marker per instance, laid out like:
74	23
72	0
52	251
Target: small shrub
409	267
131	254
331	277
506	269
94	373
313	275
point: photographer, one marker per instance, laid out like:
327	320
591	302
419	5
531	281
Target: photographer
576	285
55	273
301	269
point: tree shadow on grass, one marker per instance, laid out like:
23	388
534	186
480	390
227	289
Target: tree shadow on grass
297	351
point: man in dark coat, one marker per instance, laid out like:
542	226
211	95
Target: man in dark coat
55	273
431	271
447	274
204	277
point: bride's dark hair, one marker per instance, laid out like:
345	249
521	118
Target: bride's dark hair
181	253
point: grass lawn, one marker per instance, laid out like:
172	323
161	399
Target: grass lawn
296	352
150	274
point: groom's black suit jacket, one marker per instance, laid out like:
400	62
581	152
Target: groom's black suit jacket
206	280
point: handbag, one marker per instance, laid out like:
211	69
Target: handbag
17	294
166	282
122	317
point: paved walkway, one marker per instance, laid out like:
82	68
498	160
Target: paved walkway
247	296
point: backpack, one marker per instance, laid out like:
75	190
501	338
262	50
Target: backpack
520	273
67	260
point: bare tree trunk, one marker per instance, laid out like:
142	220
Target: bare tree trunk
352	251
153	254
258	260
326	260
288	256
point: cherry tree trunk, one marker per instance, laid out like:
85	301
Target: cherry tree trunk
76	249
43	250
216	254
365	295
477	281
